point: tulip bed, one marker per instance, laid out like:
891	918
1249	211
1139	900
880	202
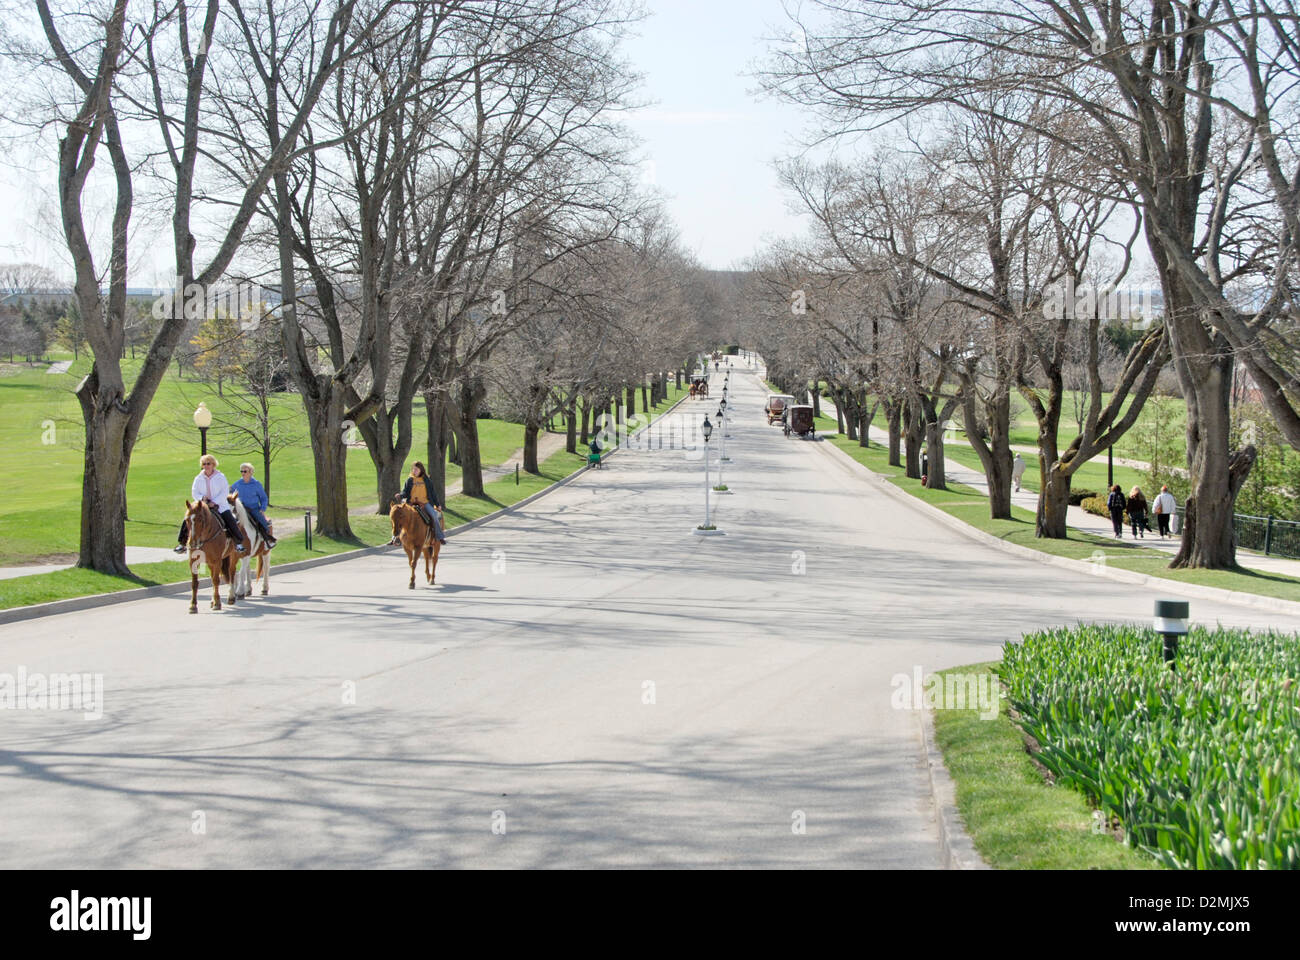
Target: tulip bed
1200	766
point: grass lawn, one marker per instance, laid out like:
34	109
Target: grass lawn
371	529
971	507
1016	818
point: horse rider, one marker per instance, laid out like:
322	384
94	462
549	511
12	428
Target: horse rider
211	486
253	496
419	492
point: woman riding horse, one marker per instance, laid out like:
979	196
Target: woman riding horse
419	491
211	486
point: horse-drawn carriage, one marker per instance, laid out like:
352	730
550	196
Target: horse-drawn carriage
776	407
699	388
799	421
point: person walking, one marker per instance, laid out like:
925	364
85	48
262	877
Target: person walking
253	496
1137	512
211	486
419	493
1018	470
1115	503
1164	508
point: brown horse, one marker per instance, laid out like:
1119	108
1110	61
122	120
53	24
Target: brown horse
209	543
416	536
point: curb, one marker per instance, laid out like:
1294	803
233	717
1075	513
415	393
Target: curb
959	851
73	604
1271	604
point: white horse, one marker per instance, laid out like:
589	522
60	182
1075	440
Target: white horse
243	585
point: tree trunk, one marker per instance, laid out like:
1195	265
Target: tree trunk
864	424
894	412
849	403
645	399
330	454
913	434
816	399
435	456
571	427
471	464
530	447
586	422
1053	503
107	461
631	404
935	478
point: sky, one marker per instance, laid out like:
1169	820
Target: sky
708	143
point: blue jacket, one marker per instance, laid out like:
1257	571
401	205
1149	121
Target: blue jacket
251	494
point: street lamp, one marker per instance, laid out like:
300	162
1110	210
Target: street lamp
1171	624
203	420
707	429
722	408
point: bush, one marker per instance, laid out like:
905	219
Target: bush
1095	504
1078	496
1200	766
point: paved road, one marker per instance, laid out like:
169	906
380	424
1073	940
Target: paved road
518	685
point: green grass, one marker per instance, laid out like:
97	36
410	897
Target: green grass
370	530
970	506
1091	476
40	512
1016	818
1198	765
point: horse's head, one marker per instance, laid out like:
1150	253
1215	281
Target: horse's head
231	497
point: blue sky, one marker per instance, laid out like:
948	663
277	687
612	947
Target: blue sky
709	143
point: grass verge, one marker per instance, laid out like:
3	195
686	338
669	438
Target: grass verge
1016	818
970	506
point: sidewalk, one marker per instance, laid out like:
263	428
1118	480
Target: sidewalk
1079	519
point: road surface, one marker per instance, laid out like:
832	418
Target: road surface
589	684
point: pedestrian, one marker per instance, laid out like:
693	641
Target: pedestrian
1018	470
211	486
253	496
1164	508
419	492
1137	512
1115	503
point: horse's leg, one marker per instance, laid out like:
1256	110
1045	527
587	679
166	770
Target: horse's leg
412	557
214	571
437	548
194	591
229	569
264	571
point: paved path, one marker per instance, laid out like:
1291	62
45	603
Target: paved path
518	684
134	555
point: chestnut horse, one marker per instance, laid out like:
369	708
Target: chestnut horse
209	543
416	536
258	548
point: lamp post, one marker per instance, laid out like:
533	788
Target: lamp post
707	428
203	420
722	409
1171	624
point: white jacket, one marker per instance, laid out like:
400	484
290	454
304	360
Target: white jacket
212	488
1165	503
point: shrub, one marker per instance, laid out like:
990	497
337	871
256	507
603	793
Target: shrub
1096	504
1078	496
